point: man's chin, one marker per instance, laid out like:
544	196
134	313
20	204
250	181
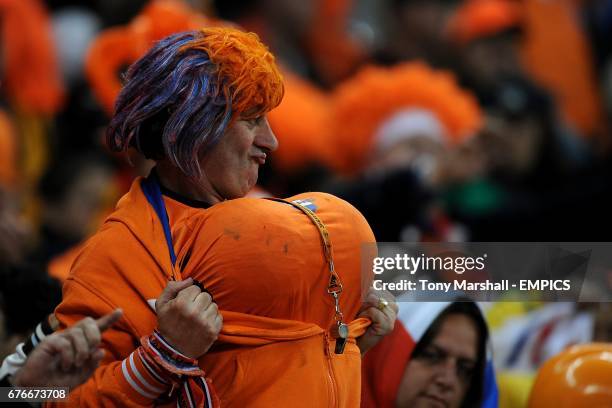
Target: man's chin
426	401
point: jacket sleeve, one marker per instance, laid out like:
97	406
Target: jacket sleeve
102	278
124	377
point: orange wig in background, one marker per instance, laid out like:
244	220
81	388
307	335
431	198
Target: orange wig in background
303	125
363	103
31	77
118	47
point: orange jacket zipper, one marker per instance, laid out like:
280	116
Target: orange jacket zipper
330	372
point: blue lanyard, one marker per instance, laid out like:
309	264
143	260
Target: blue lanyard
151	190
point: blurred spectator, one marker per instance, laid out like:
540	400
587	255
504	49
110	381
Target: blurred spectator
502	39
73	29
557	55
437	354
310	38
27	296
76	192
336	45
15	231
404	133
538	175
486	33
407	115
31	79
303	125
118	47
416	32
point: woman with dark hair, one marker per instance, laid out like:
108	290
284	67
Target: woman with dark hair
448	363
435	357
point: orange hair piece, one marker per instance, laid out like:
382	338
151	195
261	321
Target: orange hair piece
334	53
363	103
32	78
121	46
246	68
476	19
303	124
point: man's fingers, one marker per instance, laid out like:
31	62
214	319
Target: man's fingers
381	323
79	343
218	322
108	320
56	342
203	301
94	359
91	332
66	353
211	312
189	294
89	366
373	299
171	290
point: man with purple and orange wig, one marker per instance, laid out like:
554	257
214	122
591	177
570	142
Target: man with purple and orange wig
185	93
196	104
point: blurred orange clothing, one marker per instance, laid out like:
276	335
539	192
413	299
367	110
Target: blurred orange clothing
8	152
263	262
59	266
554	49
303	125
558	56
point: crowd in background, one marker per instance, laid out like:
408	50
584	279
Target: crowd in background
440	120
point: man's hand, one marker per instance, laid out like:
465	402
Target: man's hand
67	358
381	308
188	318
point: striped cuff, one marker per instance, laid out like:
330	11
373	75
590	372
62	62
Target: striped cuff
15	361
43	329
166	356
156	368
146	380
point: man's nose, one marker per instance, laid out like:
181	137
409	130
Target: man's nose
446	375
265	137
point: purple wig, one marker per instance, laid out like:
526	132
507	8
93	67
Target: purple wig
172	105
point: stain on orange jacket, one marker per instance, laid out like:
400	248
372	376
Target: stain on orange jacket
264	264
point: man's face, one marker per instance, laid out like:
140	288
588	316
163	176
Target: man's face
441	376
231	166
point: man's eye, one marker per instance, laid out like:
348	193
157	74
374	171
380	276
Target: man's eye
432	356
465	370
255	121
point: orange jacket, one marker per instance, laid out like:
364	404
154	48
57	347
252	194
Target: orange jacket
264	264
